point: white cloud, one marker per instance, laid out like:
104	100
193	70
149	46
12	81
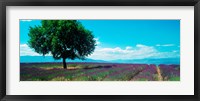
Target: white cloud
138	52
176	51
165	45
26	20
97	41
25	50
140	45
128	47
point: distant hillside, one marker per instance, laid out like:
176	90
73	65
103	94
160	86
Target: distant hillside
151	61
30	59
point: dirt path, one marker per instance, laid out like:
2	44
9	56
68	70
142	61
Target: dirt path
133	79
160	78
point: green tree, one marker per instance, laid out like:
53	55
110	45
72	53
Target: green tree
66	39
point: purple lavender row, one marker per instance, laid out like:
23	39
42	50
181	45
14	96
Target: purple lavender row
168	71
125	73
148	73
110	70
93	72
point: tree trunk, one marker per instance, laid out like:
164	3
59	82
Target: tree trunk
64	63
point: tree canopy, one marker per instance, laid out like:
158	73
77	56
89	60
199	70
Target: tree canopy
66	39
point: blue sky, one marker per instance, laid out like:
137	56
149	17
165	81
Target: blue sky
123	39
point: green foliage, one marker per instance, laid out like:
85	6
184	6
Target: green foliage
59	79
72	65
42	65
62	38
174	79
142	79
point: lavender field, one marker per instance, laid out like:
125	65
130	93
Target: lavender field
98	72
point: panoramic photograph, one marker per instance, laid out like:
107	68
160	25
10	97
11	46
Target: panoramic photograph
99	50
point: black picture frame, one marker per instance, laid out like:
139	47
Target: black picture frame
4	3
